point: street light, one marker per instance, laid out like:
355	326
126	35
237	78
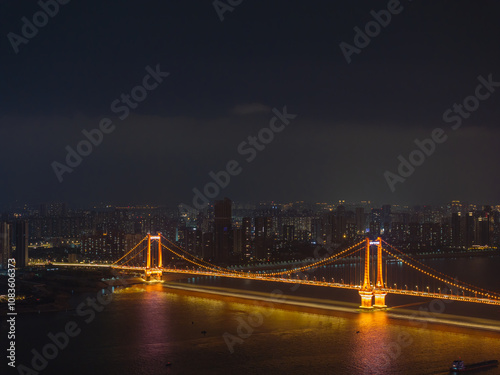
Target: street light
395	286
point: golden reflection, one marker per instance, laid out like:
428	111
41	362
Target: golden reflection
155	323
373	343
154	287
206	302
130	289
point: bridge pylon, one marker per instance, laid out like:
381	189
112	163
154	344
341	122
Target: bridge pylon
366	291
155	273
378	293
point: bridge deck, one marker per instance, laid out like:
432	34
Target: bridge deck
454	297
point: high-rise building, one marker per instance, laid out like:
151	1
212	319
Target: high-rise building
207	250
329	227
375	222
386	217
467	228
5	248
263	237
360	220
238	242
222	226
482	229
288	234
192	240
456	232
108	246
246	226
456	207
398	233
316	231
415	236
341	225
21	244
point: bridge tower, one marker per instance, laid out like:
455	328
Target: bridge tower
148	256
155	272
378	292
366	291
160	251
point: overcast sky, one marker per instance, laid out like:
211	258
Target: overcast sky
225	77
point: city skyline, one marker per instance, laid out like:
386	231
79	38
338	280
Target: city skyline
231	231
16	207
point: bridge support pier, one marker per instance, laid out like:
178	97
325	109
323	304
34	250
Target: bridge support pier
380	299
153	275
366	299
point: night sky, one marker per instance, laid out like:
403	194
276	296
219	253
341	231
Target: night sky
225	77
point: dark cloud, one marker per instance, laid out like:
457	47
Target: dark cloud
225	77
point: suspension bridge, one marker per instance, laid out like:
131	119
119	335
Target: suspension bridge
373	268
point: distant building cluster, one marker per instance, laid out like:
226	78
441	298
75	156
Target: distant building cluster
229	232
14	236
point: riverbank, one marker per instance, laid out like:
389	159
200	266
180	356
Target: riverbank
53	292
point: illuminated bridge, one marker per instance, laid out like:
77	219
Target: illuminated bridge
373	268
